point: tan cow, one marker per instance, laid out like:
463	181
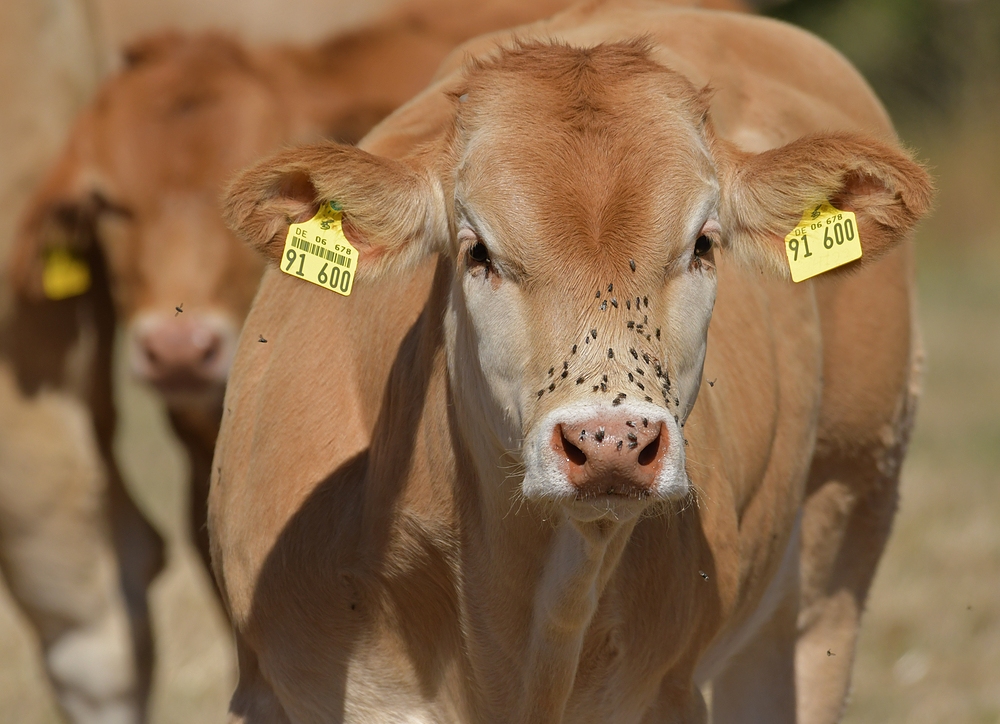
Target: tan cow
480	489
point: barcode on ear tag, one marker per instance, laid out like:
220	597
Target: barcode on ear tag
64	274
318	252
824	239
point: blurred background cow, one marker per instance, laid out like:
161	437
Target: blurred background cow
930	650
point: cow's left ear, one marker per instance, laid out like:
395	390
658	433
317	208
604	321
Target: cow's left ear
393	214
763	196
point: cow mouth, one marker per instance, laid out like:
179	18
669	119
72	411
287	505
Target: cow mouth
613	492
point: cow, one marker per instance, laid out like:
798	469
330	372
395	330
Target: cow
575	446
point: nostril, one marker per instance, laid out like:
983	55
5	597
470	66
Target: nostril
574	454
649	453
151	355
209	355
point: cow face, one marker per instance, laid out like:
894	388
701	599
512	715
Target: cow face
582	198
141	178
585	216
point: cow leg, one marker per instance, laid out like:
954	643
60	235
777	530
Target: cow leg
197	428
56	554
847	521
140	552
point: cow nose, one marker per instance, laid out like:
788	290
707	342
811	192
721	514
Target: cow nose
611	455
180	353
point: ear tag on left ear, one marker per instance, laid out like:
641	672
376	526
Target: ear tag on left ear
824	239
317	251
64	274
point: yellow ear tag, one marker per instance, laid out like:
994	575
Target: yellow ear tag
824	239
64	274
317	251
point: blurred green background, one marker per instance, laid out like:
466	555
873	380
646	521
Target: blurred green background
930	645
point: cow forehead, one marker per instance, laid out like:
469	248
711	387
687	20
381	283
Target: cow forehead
582	154
184	122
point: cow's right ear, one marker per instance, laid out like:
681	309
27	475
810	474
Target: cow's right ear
393	214
61	214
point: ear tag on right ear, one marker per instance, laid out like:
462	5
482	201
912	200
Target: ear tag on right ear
317	251
64	274
824	239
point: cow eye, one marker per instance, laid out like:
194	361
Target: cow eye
702	245
479	253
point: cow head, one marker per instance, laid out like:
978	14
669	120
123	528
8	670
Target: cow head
142	174
584	202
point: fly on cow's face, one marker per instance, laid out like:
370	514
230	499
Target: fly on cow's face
573	351
604	305
599	436
614	302
551	370
611	288
631	263
628	304
593	333
633	352
579	380
619	445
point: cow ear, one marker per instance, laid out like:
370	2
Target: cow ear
763	196
392	213
59	216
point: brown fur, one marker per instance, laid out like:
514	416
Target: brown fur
370	535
